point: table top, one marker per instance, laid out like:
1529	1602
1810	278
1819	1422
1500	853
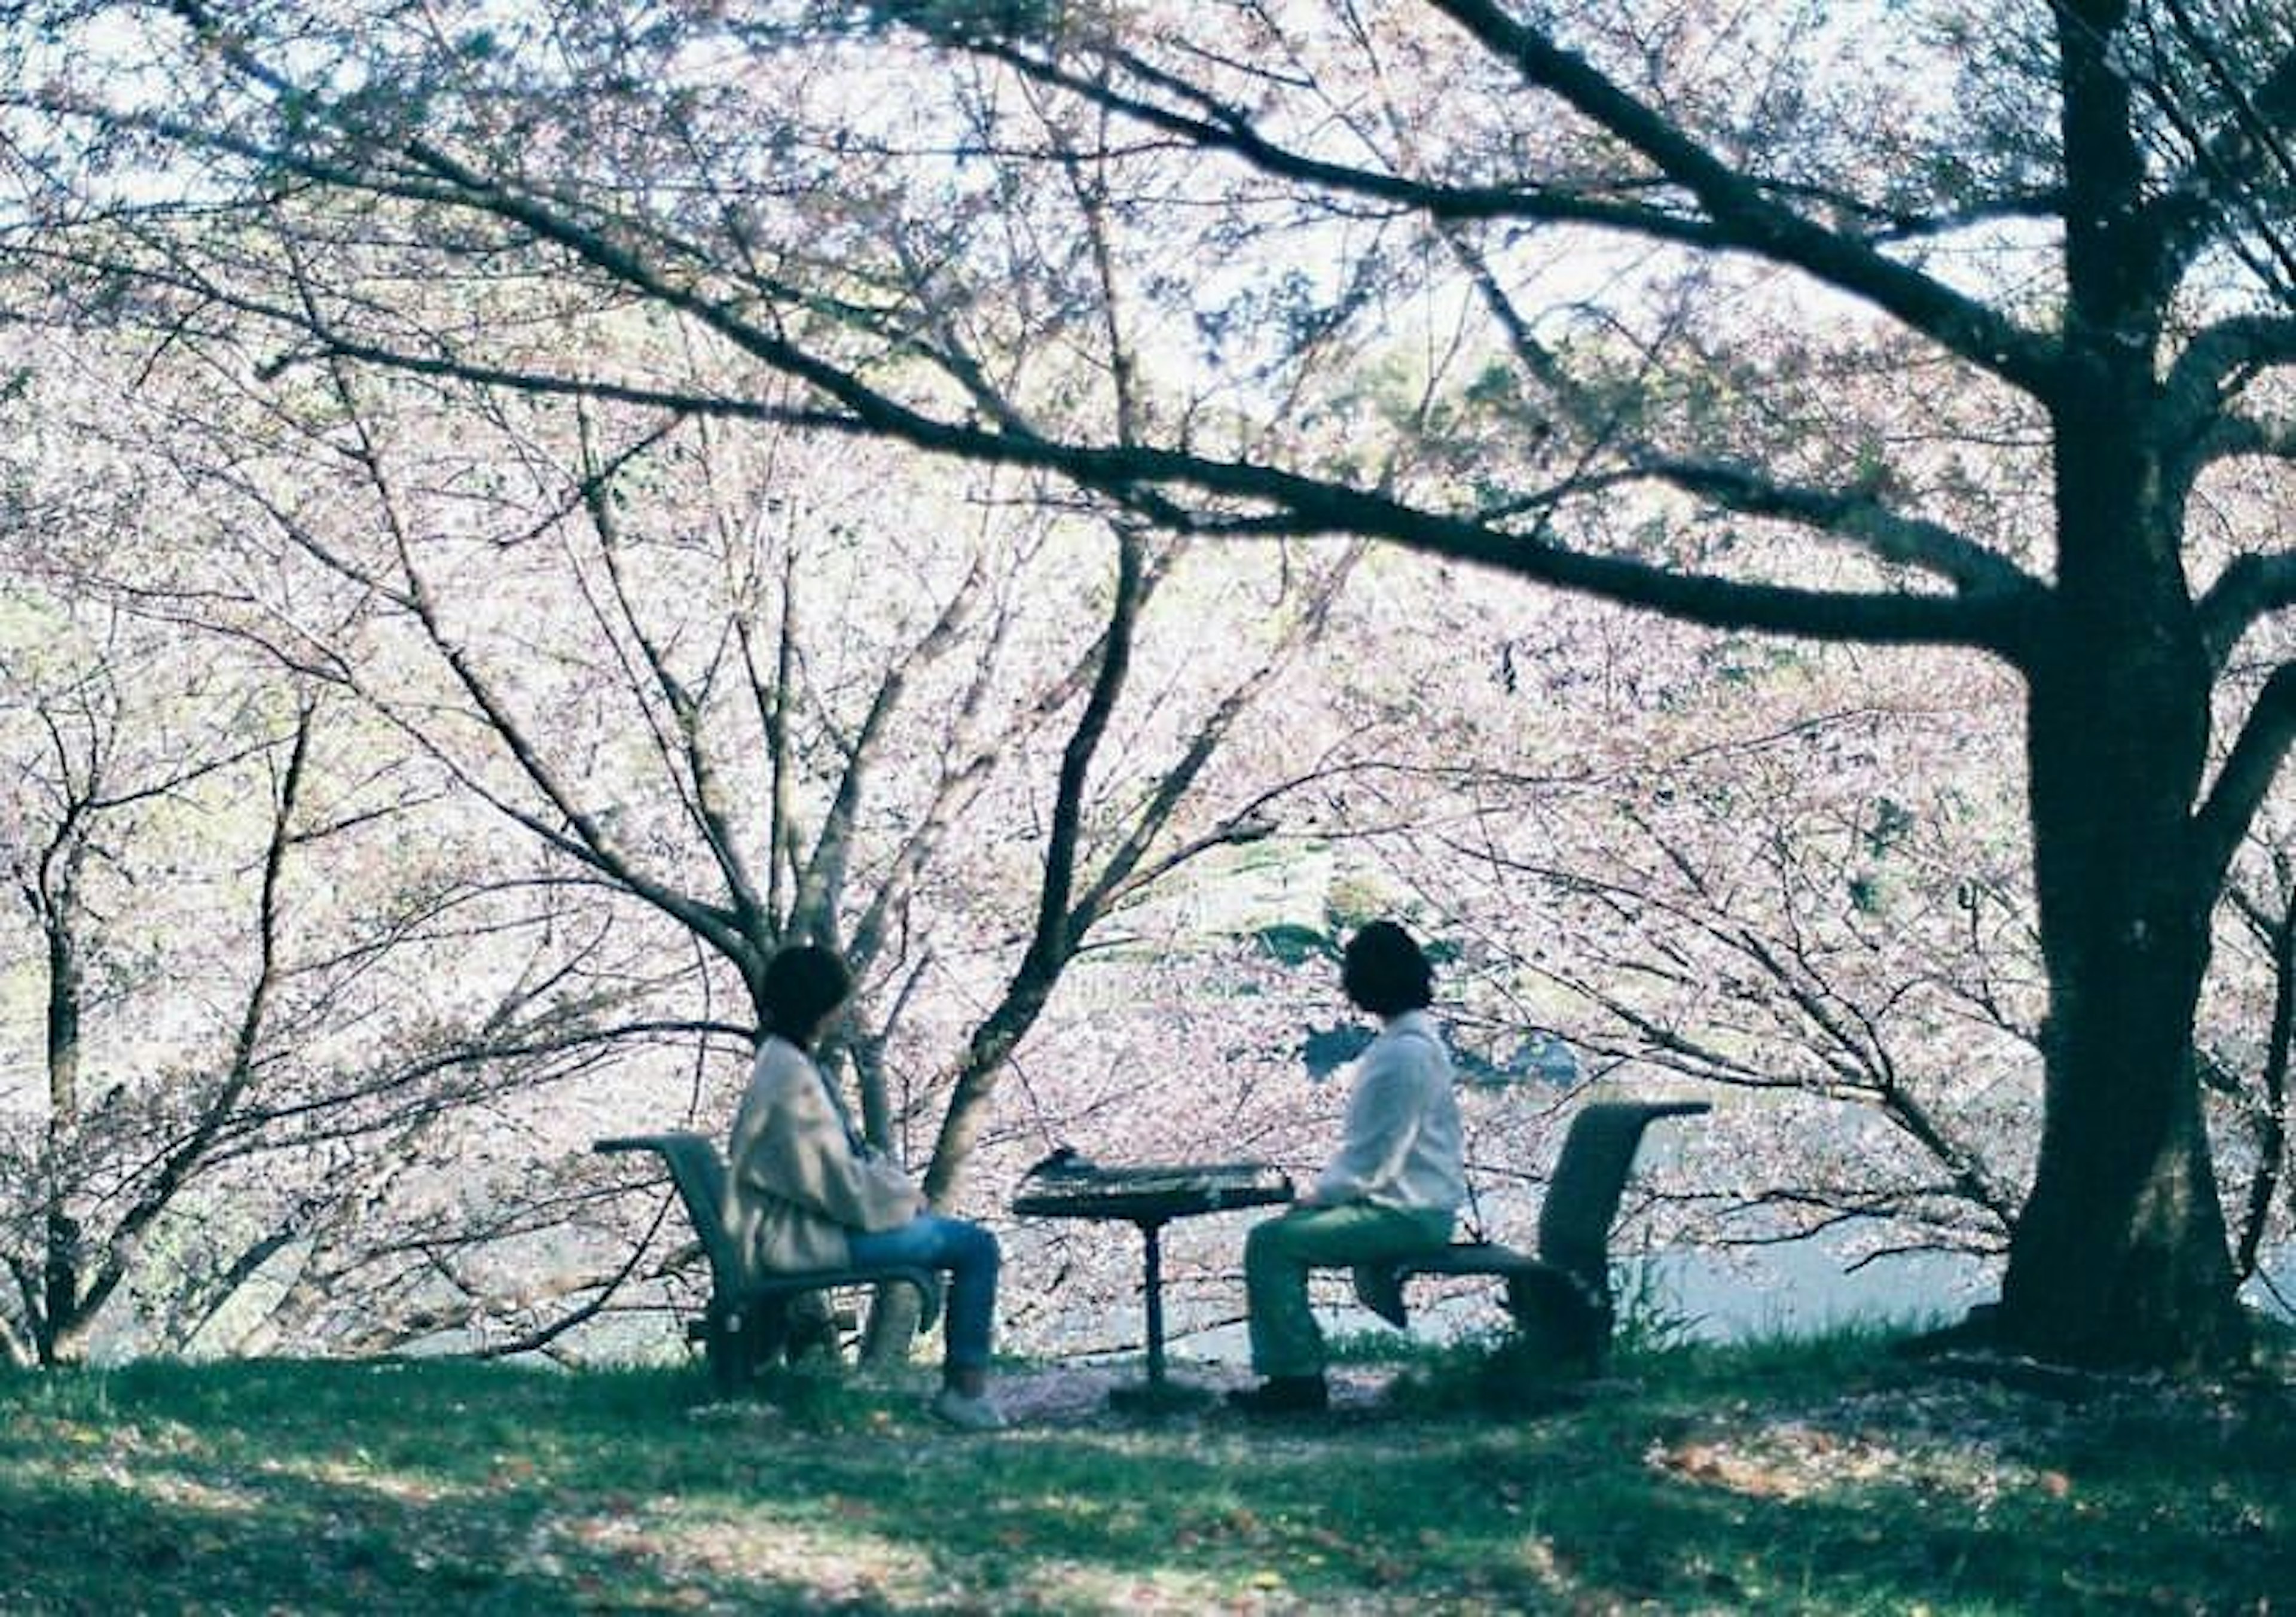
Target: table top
1068	1188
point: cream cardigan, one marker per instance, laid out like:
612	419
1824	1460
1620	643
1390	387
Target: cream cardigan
795	1184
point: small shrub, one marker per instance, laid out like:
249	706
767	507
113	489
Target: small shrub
1499	1373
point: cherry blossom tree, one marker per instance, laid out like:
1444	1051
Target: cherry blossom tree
277	993
1931	326
226	1084
734	689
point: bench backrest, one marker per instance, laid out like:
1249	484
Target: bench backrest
1574	1222
698	1172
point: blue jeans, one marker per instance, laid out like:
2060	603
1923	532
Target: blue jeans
969	1253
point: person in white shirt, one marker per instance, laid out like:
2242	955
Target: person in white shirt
806	1191
1392	1191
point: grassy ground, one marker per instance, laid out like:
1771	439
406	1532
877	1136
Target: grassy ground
1821	1478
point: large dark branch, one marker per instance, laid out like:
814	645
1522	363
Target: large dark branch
2250	588
1302	503
1739	211
1993	618
1858	514
1746	216
2210	373
2237	435
2249	771
2271	1108
1215	126
1052	940
1855	514
1312	506
1055	938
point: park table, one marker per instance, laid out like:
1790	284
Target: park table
1148	1197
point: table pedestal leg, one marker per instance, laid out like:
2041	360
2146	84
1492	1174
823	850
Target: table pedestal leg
1152	1278
1157	1393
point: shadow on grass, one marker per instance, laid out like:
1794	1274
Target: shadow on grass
447	1487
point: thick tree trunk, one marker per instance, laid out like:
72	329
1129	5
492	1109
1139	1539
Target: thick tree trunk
2120	1255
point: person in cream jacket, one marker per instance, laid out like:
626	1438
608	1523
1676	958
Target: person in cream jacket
806	1191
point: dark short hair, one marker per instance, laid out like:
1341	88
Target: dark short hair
1383	971
803	985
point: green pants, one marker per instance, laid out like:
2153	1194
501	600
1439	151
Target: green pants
1279	1252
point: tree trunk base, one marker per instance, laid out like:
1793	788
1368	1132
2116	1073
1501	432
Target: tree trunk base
1989	1332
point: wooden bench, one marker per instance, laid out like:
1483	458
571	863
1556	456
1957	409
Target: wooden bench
746	1322
1560	1298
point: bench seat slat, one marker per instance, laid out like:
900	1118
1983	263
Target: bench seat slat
1471	1258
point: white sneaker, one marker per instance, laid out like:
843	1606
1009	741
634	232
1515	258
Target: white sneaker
966	1414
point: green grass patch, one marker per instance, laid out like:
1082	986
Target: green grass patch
1827	1477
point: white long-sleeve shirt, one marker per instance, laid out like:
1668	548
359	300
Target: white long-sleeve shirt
1402	1147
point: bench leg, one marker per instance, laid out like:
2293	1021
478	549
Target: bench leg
1557	1323
739	1342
